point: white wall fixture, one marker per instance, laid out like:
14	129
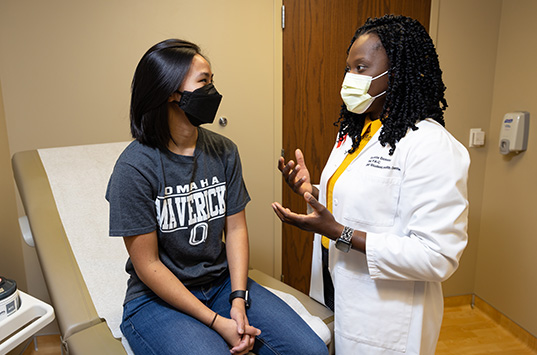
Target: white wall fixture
477	137
514	132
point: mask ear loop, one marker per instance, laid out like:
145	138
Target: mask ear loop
379	95
171	99
382	93
378	76
184	98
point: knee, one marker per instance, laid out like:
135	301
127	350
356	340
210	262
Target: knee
311	346
320	348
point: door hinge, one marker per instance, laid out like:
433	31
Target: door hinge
283	17
282	278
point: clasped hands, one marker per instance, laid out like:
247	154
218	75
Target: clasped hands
236	331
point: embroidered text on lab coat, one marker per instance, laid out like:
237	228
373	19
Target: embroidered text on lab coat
381	163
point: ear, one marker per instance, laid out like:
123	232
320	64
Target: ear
175	96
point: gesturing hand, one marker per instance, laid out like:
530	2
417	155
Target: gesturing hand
319	221
296	175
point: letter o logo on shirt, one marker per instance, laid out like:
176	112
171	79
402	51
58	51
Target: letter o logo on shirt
198	234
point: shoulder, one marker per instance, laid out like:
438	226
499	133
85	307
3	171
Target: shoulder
136	168
215	141
432	134
432	140
137	151
211	136
138	157
428	128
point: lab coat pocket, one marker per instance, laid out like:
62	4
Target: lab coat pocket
372	200
374	312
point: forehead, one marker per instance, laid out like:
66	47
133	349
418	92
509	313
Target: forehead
369	47
199	65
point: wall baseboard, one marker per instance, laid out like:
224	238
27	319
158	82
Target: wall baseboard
455	301
499	318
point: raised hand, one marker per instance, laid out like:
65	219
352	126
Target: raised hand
296	174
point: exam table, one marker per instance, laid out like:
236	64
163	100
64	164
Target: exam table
62	191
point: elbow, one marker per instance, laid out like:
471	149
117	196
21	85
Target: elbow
444	261
441	269
147	271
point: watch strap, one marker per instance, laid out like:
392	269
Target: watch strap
344	242
346	235
244	294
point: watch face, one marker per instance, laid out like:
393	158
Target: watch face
343	245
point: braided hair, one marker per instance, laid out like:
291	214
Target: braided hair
415	87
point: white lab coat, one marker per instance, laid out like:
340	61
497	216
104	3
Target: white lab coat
413	206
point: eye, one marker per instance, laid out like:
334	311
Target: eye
355	69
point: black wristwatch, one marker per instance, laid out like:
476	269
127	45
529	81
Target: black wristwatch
240	294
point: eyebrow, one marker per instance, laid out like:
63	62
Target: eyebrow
206	74
357	59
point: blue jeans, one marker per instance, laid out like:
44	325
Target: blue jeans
154	327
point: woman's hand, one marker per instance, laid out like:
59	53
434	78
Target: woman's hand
240	343
236	234
296	175
238	314
319	221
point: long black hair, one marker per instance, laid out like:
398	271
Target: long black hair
415	87
159	73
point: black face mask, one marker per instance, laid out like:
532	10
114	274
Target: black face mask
200	105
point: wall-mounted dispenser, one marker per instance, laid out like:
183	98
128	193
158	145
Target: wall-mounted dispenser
514	132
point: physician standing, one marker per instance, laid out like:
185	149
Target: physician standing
390	213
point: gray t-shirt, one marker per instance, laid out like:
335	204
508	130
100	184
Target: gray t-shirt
185	199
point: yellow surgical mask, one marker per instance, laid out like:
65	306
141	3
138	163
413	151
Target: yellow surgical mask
354	91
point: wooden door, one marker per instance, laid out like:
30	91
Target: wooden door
315	40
